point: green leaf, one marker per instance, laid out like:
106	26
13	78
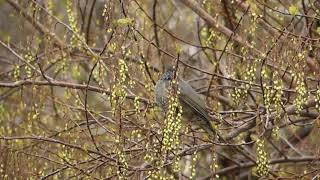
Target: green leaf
293	10
318	30
124	21
178	48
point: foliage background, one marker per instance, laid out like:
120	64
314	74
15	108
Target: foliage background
77	88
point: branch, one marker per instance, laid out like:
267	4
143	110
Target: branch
42	29
213	23
65	84
273	161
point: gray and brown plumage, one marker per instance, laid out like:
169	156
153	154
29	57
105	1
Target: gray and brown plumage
194	108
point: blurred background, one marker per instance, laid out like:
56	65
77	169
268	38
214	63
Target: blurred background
77	84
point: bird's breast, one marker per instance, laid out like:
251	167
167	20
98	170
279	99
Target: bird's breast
161	94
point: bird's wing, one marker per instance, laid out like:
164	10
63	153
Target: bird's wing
189	96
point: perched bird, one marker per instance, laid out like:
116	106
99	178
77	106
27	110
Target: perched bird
193	106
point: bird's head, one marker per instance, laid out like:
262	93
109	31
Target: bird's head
168	75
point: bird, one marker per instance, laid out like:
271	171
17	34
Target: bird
193	106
